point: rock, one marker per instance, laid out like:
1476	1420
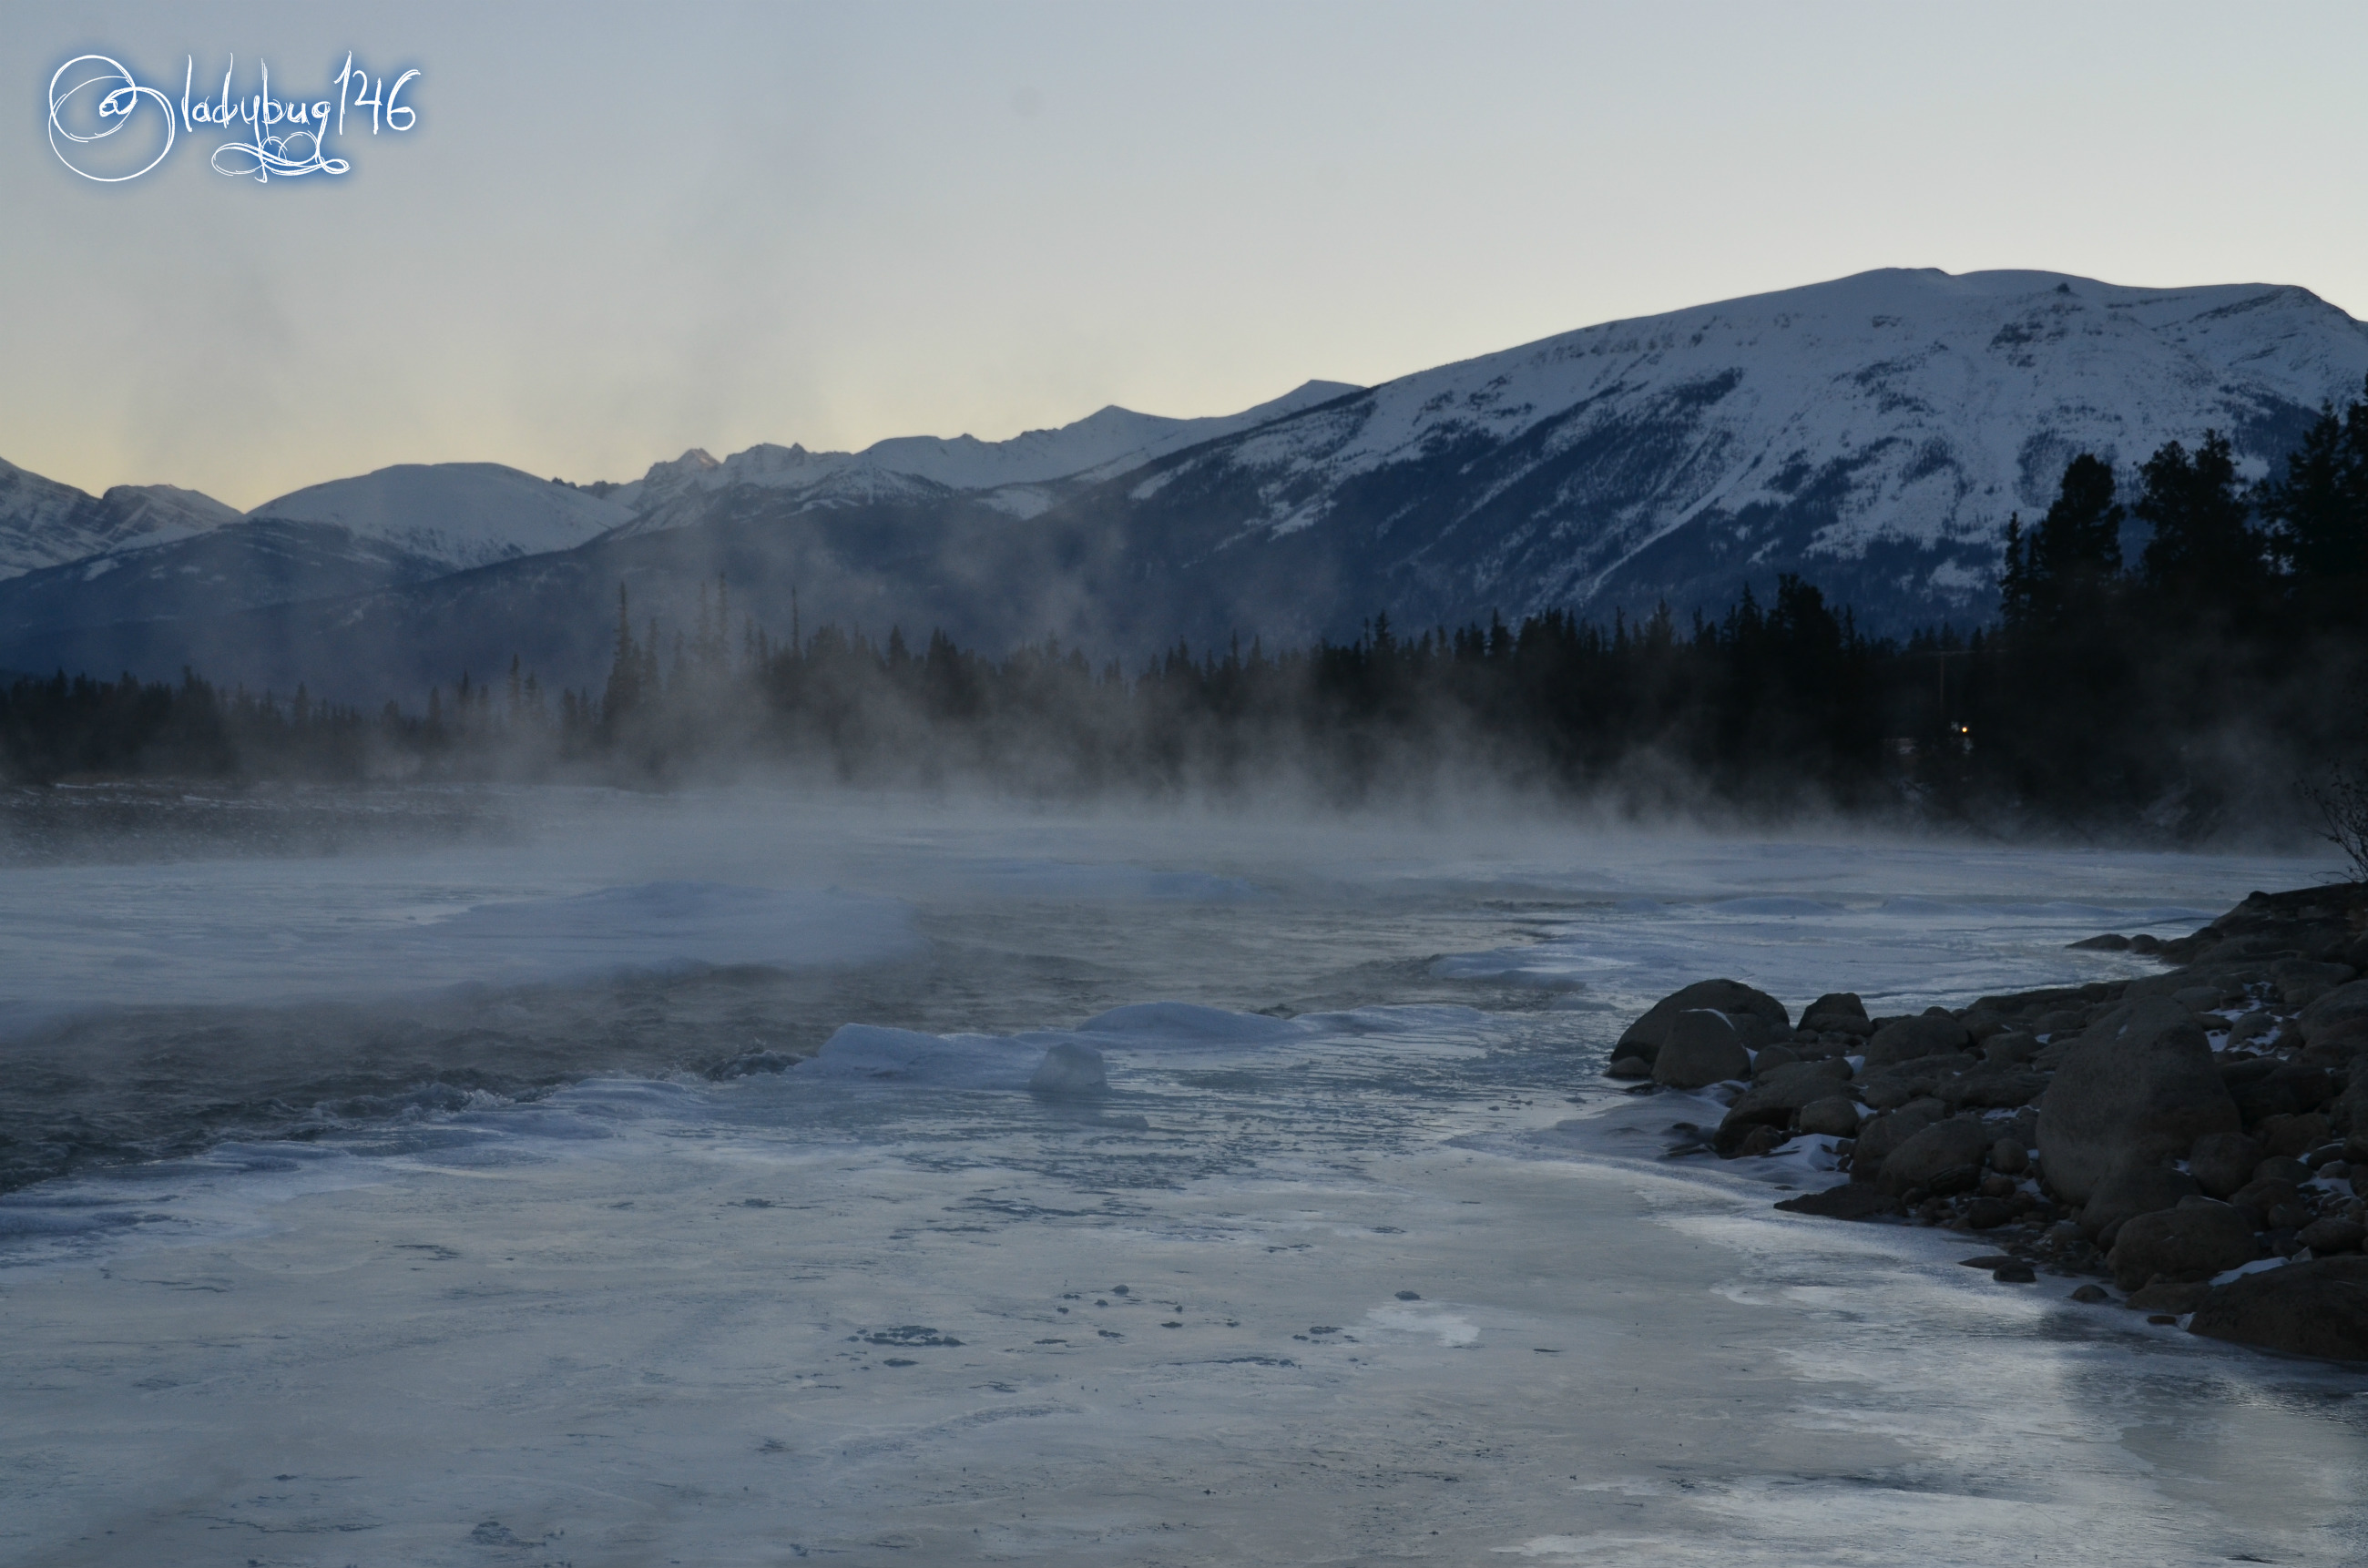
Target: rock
2282	1167
1995	1089
2011	1050
1941	1151
1906	1040
2060	1021
1987	1213
2015	1273
2332	1234
2317	1309
2108	943
1880	1135
1886	1093
1771	1057
1851	1200
2251	1027
1833	1117
2175	1297
1761	1140
2009	1156
2090	1293
2349	1001
2223	1161
2265	1196
2130	1190
1629	1067
1699	1048
2145	943
1646	1035
2285	1090
2194	1241
1069	1068
2137	1087
1838	1010
1774	1099
1988	1260
2199	998
2296	1136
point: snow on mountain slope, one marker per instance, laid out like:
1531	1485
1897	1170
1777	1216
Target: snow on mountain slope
461	515
1875	431
44	523
1016	472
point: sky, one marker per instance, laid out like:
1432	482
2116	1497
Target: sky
618	231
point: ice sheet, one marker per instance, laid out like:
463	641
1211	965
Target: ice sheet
1397	1281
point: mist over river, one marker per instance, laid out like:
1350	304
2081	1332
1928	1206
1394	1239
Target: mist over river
475	1186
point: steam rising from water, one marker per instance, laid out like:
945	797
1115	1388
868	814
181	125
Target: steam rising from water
584	1268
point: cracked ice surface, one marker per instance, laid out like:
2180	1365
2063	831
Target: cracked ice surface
1395	1278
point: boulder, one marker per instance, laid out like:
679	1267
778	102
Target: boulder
1906	1040
1953	1150
1833	1117
1646	1036
2266	1195
2223	1161
2137	1087
1069	1068
1838	1012
1700	1048
2011	1049
1775	1097
2331	1234
1877	1138
2194	1241
1851	1200
2129	1190
2295	1136
2166	1296
2318	1308
1773	1101
1629	1067
1840	1003
2283	1090
1769	1058
2349	1001
2009	1156
1995	1089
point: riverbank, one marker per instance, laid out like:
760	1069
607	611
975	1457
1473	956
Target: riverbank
2183	1142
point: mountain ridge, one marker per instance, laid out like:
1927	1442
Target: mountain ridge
1871	433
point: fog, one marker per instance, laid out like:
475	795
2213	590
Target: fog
593	1177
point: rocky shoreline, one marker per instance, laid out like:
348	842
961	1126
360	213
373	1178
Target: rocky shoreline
2185	1143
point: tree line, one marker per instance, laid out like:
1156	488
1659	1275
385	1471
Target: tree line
2181	690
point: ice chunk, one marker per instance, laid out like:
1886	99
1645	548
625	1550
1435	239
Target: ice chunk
1070	1067
961	1061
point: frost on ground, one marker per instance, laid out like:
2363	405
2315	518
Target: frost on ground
1396	1275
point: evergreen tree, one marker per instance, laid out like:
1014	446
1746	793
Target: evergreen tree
2318	508
2203	544
2074	553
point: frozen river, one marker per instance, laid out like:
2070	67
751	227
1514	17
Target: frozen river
530	1253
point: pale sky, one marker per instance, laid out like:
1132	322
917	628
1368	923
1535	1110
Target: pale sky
619	230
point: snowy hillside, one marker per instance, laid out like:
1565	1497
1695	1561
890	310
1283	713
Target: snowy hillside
461	515
1018	475
44	523
1873	433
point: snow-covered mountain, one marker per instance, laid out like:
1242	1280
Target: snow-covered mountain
1872	434
1022	476
462	515
44	523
